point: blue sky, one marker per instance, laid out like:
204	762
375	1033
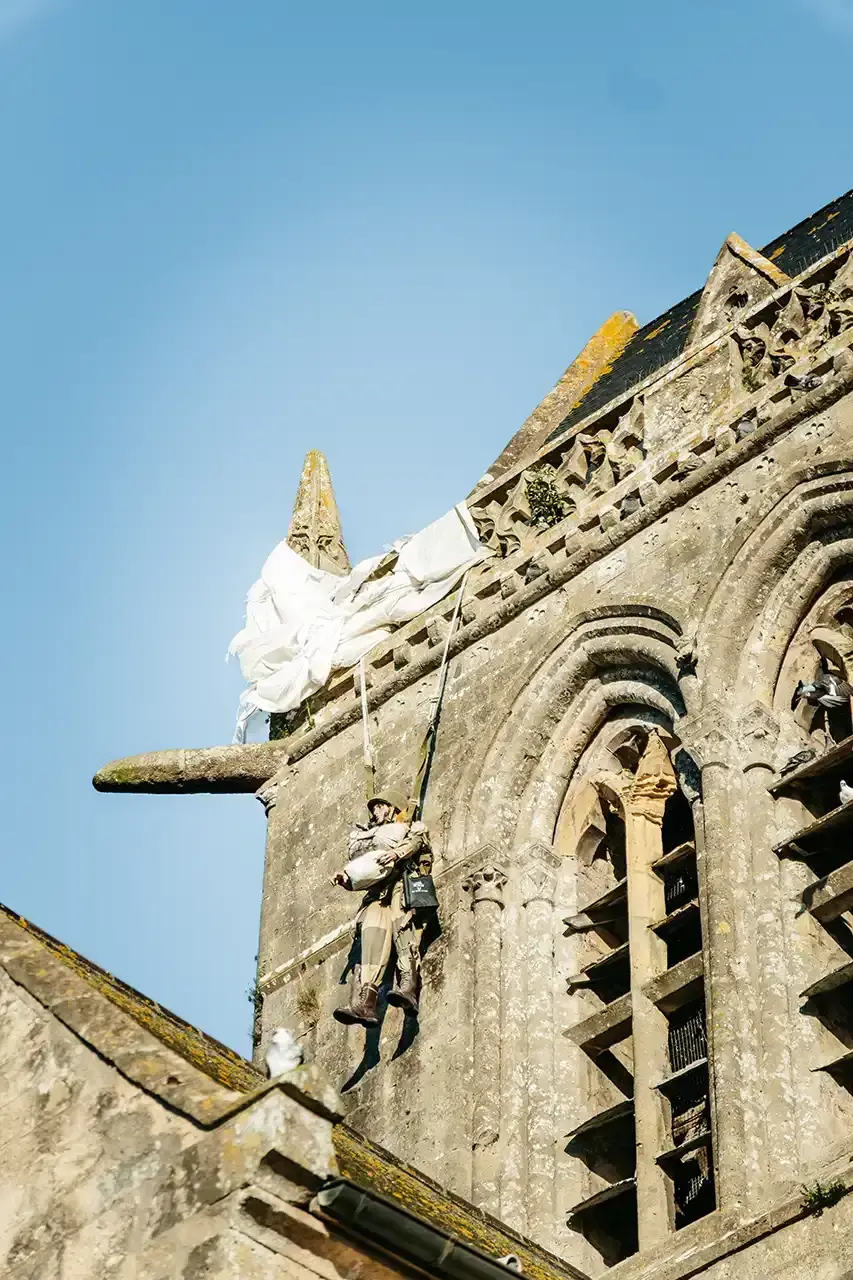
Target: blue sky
233	232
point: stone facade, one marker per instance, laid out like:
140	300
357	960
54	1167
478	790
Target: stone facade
636	1021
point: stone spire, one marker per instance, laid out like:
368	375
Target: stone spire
315	526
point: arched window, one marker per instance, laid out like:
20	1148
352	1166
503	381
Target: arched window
817	855
636	989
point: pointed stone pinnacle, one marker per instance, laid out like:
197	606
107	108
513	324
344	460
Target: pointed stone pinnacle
315	527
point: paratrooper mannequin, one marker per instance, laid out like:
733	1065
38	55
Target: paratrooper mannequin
381	852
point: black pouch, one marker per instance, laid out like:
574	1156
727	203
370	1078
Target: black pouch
418	891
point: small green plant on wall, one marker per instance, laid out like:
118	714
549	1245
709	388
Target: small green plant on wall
822	1195
546	505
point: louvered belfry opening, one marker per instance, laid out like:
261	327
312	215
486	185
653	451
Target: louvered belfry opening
824	845
648	1152
689	1162
687	1037
680	886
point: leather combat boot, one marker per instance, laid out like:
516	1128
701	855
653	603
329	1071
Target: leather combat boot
405	991
361	1008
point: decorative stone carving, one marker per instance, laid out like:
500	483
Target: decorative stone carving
686	658
654	783
268	795
537	885
547	492
758	734
537	880
315	526
794	327
709	735
485	885
739	277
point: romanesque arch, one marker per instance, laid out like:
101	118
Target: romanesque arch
609	658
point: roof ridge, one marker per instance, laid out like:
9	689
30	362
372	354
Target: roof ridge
216	1060
662	339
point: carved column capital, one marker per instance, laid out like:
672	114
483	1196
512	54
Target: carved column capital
654	782
485	885
537	865
709	735
758	736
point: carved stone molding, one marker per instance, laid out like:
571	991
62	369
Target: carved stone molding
715	736
268	795
758	736
485	885
537	864
710	735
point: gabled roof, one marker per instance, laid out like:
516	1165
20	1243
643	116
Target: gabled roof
207	1082
664	338
216	1061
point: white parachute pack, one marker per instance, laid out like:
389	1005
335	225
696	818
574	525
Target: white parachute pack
303	623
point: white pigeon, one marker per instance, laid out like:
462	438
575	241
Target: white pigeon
845	793
284	1054
512	1261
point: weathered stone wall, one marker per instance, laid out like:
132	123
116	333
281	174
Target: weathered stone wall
784	1244
80	1146
101	1180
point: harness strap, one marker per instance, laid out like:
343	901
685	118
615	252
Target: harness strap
369	762
427	751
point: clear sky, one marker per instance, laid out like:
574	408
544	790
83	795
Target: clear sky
233	232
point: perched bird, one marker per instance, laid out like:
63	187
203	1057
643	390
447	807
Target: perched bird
284	1054
512	1261
845	793
804	381
826	691
797	761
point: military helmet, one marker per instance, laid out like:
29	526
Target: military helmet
390	796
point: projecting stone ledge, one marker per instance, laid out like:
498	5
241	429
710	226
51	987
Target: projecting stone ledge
222	769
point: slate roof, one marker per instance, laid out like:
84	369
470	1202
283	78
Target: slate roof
664	338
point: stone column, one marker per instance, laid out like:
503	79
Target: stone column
513	1067
730	964
758	734
486	889
653	784
537	883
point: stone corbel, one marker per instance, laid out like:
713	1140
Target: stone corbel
485	885
537	865
758	736
268	795
710	736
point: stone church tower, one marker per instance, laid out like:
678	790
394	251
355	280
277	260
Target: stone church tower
635	1045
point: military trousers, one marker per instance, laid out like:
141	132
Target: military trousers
386	925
